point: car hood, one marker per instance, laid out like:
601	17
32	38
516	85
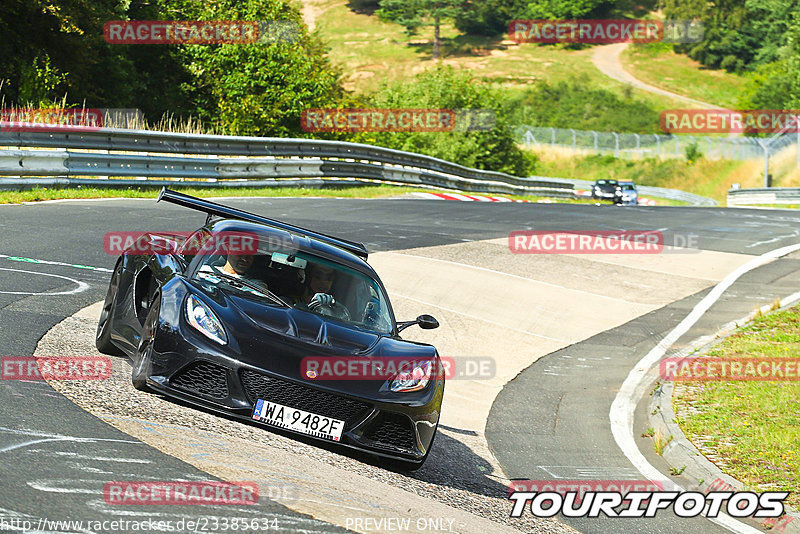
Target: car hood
249	319
277	339
303	326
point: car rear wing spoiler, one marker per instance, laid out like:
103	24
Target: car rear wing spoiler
212	208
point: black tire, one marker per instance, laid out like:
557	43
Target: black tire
103	336
141	360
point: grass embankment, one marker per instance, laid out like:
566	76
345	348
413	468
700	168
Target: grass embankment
750	429
657	64
708	178
379	191
371	52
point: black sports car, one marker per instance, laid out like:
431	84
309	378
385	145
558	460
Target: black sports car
234	333
604	189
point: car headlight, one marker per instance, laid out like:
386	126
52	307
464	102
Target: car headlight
203	319
413	380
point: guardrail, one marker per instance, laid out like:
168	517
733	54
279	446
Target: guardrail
647	190
260	162
771	195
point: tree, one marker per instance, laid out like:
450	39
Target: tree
739	35
414	14
445	88
565	9
260	88
50	48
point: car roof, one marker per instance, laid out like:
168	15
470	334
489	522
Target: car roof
290	240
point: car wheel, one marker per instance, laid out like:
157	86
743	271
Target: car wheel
142	359
103	336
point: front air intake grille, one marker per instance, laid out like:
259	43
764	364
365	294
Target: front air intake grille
393	431
204	378
260	386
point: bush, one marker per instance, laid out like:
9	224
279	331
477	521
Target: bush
260	88
445	88
693	153
578	105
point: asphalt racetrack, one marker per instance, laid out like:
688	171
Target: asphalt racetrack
562	333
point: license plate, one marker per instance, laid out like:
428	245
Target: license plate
298	420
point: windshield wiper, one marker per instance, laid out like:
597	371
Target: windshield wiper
242	282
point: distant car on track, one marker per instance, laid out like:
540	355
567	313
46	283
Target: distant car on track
230	333
626	194
604	189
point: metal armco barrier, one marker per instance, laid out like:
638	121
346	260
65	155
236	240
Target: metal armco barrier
267	161
647	190
772	195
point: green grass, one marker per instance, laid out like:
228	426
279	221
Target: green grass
782	206
659	65
752	427
371	52
380	191
708	178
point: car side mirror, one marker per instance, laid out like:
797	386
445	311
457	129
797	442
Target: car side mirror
426	322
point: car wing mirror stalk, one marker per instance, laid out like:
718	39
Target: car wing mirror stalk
426	322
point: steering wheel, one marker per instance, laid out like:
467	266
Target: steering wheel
337	310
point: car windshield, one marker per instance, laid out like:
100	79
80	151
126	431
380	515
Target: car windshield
302	281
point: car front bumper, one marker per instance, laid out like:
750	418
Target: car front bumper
398	426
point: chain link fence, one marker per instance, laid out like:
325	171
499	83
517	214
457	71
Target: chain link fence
626	145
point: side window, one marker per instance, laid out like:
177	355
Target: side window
193	244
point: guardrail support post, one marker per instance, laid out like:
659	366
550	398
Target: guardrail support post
766	163
574	141
597	149
616	144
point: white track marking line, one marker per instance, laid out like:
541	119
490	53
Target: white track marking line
632	389
61	200
48	262
82	286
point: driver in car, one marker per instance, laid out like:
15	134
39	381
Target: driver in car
317	287
237	265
